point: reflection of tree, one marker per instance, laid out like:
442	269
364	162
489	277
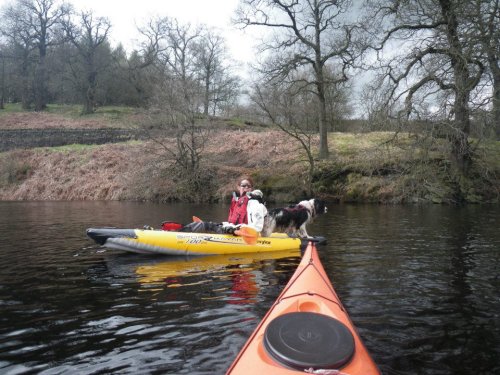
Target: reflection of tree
468	332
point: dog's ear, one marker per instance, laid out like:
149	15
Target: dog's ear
256	194
319	205
321	208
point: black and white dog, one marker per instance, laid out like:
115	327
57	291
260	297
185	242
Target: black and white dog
293	219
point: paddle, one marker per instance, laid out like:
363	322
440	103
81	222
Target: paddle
249	235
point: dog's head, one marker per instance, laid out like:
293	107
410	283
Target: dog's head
315	206
320	206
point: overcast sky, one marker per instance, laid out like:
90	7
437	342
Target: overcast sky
125	15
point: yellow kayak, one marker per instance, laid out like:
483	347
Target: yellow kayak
186	243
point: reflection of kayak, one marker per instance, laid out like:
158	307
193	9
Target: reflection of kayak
306	329
157	272
184	243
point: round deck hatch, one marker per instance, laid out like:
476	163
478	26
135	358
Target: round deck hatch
303	340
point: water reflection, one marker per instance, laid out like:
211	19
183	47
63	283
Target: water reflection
236	279
420	283
203	265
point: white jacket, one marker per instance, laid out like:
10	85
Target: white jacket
256	212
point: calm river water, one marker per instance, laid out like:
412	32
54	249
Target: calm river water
422	285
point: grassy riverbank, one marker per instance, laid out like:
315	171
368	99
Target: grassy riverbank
364	167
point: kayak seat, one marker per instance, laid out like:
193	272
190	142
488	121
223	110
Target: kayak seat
304	340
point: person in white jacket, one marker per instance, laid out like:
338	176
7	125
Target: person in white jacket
256	210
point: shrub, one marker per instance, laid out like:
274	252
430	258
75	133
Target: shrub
13	171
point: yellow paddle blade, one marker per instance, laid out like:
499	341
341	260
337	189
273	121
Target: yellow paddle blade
249	235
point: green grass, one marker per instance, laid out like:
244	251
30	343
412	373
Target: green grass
75	111
106	112
11	108
233	121
491	153
240	123
67	110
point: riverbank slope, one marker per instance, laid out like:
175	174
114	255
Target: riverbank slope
381	167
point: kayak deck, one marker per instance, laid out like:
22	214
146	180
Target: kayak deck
306	329
186	243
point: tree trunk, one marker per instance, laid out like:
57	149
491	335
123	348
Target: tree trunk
25	93
40	84
323	130
207	93
89	105
312	169
2	97
461	151
319	64
496	102
40	104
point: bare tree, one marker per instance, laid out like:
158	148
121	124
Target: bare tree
288	106
179	61
22	42
87	37
176	104
309	34
486	20
219	85
431	61
154	36
140	66
40	19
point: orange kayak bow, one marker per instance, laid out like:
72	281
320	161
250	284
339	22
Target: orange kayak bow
307	329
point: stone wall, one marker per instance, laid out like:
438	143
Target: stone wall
28	138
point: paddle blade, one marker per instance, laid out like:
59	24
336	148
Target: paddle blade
249	235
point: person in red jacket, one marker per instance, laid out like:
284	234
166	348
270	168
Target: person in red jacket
246	208
239	202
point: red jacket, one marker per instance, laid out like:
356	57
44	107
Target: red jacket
238	210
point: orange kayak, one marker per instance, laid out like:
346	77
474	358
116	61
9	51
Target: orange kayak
306	330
